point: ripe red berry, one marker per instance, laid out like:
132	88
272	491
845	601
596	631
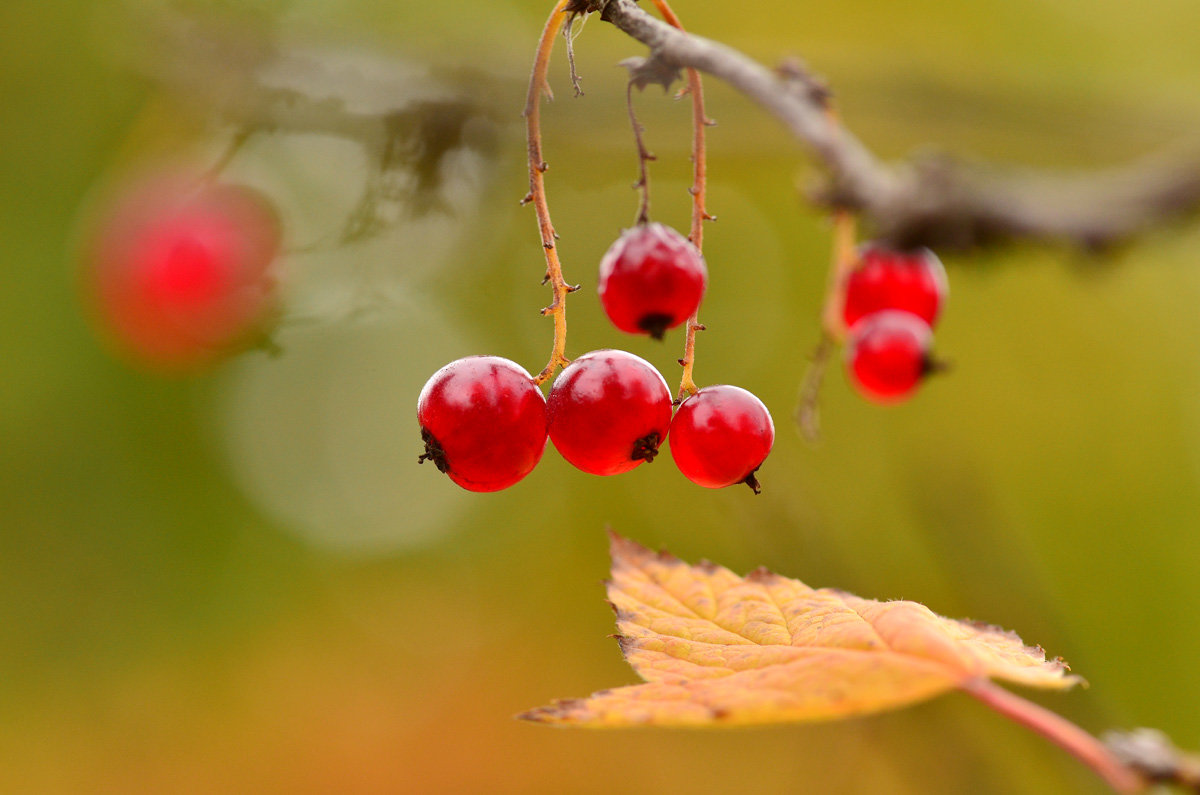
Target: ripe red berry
887	354
177	272
720	436
483	421
651	279
914	281
609	411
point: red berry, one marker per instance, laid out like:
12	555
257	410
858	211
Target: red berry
177	271
887	354
483	421
720	436
651	279
914	281
609	411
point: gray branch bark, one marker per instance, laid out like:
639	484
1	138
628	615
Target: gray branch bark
940	201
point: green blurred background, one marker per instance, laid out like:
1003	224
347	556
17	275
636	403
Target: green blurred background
242	581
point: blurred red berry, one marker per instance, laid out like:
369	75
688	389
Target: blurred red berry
483	421
887	355
651	279
176	271
913	281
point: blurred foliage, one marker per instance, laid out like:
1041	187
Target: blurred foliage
243	582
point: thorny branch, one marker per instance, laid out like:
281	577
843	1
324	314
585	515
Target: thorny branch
699	191
537	189
939	201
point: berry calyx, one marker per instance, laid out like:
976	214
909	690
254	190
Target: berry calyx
651	279
887	355
483	421
913	281
177	273
720	436
609	411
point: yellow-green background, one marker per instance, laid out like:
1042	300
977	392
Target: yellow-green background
162	631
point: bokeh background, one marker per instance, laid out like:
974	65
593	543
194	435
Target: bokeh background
241	581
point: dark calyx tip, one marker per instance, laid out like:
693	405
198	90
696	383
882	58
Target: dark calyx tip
646	448
433	452
931	365
752	482
655	325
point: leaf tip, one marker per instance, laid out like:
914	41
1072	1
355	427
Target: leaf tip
622	549
761	575
560	711
625	642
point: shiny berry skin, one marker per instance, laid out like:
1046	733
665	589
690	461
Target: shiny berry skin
651	279
720	436
483	421
887	355
913	281
176	271
609	411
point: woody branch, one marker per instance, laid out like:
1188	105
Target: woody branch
939	201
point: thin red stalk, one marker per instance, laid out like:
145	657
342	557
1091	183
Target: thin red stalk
1060	731
537	190
700	120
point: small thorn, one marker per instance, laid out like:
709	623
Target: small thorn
546	310
527	198
709	217
710	122
543	166
693	190
546	278
573	287
682	363
700	327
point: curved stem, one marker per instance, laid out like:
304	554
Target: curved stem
644	157
537	190
808	414
1060	731
843	261
687	383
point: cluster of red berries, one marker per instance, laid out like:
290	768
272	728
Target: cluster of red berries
892	301
485	423
177	270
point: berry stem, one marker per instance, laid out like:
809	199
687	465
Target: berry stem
833	328
700	121
644	157
1060	731
808	415
537	189
842	264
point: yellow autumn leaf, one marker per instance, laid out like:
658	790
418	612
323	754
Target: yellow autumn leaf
719	649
